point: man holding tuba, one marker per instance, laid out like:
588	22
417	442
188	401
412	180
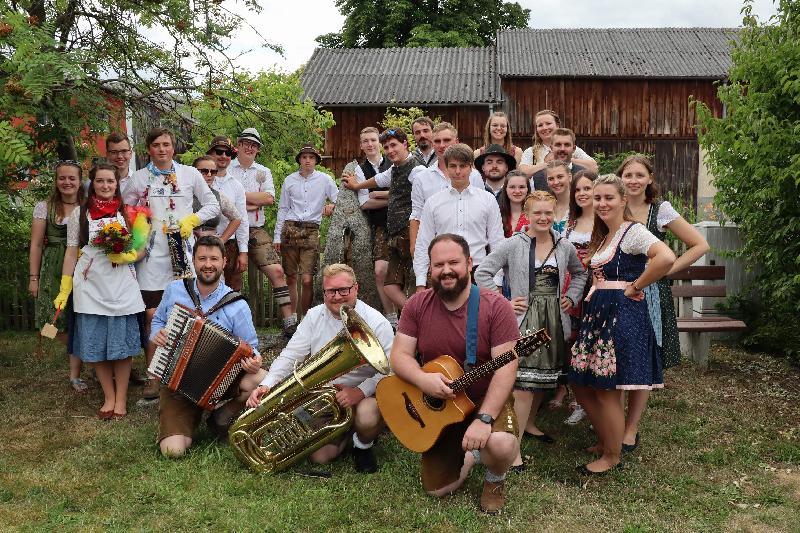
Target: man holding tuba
356	389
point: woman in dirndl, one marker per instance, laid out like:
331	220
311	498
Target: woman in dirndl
658	216
106	294
615	349
46	259
536	263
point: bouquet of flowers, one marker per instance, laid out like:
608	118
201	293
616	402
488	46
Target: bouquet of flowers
113	238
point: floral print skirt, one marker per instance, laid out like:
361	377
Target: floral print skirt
616	346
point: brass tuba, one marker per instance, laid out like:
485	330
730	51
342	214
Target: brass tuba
297	416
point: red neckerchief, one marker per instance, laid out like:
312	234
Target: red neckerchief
99	208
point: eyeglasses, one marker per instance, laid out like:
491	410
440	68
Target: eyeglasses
250	145
343	291
220	151
113	153
387	134
208	171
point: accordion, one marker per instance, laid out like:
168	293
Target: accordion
201	359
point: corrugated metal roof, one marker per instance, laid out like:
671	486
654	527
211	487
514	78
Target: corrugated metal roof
395	76
615	52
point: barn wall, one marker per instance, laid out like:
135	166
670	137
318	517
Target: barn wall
342	144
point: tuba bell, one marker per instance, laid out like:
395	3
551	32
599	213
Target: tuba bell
298	416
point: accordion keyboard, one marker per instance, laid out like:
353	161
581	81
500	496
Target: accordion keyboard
179	322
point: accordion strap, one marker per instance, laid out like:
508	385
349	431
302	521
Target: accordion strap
229	298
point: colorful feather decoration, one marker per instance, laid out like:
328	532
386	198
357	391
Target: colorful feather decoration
140	226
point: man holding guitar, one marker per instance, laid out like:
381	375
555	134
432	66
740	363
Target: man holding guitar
434	322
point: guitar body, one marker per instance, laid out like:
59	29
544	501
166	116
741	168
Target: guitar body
417	420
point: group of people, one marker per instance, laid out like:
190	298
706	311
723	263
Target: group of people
549	244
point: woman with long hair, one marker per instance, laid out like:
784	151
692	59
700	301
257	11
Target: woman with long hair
535	263
534	158
637	173
498	131
579	233
224	225
106	294
46	258
517	187
559	179
615	349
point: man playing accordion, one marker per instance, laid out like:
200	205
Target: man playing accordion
179	416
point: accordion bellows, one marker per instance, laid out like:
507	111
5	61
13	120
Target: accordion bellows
201	359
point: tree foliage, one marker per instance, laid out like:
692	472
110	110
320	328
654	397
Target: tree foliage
271	102
754	154
403	117
431	23
68	66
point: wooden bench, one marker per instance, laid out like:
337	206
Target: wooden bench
694	323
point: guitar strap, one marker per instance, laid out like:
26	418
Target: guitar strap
473	305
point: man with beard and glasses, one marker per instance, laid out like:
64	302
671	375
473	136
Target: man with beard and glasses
422	130
179	417
434	322
563	148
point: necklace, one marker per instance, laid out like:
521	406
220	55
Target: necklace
68	203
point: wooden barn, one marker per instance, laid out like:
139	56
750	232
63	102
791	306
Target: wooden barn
618	89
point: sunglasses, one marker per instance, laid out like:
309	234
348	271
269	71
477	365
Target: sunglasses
208	171
387	134
226	151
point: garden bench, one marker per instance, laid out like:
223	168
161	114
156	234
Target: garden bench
697	323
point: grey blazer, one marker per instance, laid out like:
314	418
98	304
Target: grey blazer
512	256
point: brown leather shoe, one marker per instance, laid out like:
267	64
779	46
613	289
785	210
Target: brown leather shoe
150	391
493	497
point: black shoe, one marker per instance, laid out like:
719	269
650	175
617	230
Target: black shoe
288	331
586	472
364	461
516	469
544	437
217	429
631	447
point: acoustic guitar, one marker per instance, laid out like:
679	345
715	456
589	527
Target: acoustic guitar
417	419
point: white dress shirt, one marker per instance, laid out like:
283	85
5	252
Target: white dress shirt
431	181
255	178
154	272
472	213
302	199
316	329
384	179
363	194
234	190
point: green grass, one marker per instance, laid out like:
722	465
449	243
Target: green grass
720	452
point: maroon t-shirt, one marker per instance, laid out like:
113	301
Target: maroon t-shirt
442	332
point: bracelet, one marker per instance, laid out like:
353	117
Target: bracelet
34	277
637	289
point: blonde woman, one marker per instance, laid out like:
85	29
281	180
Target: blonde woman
498	131
615	349
46	258
536	263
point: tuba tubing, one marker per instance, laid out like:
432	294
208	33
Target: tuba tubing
298	416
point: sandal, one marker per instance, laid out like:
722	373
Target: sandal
79	385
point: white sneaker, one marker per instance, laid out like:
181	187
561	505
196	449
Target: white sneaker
577	415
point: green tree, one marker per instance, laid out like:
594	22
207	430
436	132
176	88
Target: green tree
753	154
271	102
66	66
432	23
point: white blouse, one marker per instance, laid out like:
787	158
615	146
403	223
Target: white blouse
637	241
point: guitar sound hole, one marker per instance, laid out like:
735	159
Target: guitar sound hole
435	404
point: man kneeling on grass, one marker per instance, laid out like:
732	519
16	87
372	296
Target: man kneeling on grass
356	389
178	417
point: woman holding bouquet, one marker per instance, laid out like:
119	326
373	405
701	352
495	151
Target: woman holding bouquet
106	296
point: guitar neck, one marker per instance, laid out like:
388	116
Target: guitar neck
482	371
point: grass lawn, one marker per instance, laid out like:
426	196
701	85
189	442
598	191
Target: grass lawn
720	452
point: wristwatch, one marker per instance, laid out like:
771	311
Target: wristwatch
486	419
